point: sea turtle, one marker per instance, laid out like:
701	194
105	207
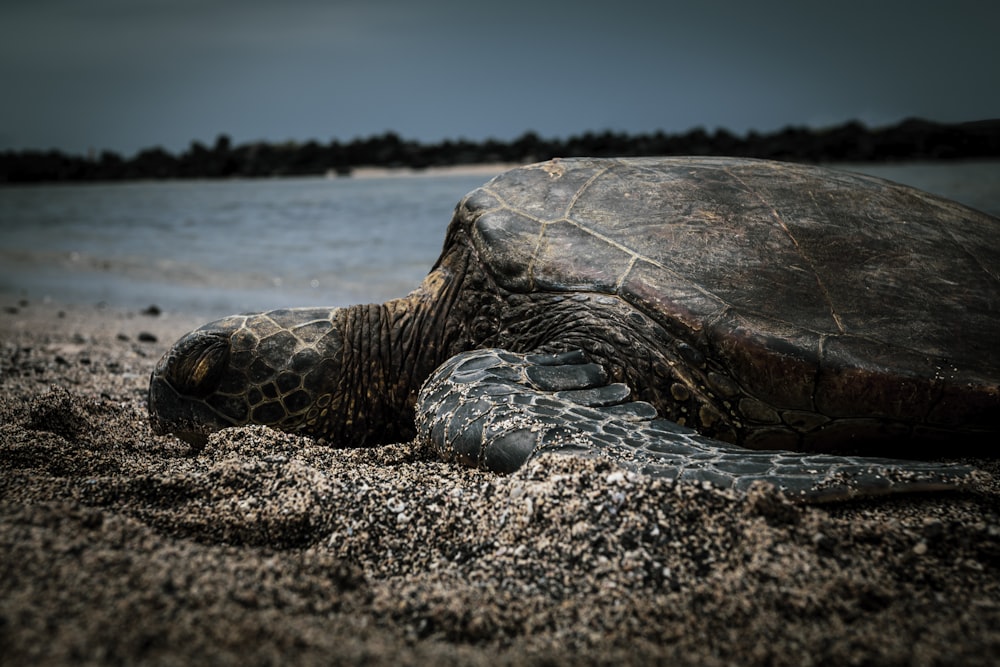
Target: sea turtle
716	319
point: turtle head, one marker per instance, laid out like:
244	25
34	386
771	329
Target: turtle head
276	368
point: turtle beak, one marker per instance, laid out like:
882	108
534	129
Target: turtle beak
187	375
171	413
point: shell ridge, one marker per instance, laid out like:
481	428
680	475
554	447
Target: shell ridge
638	256
975	258
543	225
625	274
583	188
798	248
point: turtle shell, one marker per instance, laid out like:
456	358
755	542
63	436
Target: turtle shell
814	289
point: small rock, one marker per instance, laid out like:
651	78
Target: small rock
933	528
152	310
395	505
615	477
146	337
824	543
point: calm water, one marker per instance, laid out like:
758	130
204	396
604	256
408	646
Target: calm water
222	247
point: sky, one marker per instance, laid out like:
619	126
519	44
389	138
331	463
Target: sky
124	75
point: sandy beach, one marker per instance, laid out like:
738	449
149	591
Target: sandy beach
120	547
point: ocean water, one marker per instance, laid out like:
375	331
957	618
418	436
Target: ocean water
217	247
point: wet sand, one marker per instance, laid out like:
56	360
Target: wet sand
120	547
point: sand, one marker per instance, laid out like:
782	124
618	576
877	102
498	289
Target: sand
120	547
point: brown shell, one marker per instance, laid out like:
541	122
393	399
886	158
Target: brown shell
814	288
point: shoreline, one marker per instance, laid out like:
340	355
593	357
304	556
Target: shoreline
488	169
117	546
851	140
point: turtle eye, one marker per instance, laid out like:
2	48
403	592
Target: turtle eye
197	363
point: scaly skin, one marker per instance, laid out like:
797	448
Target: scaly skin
496	410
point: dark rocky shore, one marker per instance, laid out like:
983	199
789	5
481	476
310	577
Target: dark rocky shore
121	547
912	139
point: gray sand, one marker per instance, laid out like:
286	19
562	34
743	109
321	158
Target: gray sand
120	547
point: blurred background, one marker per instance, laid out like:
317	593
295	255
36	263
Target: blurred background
125	89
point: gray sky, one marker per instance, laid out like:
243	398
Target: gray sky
129	74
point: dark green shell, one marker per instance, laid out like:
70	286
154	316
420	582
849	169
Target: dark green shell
817	289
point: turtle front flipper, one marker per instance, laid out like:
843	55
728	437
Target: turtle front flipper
494	409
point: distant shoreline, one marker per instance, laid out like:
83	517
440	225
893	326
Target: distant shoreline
389	154
485	169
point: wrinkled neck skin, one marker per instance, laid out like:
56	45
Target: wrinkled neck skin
391	348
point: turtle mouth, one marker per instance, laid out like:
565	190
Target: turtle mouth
194	438
172	413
